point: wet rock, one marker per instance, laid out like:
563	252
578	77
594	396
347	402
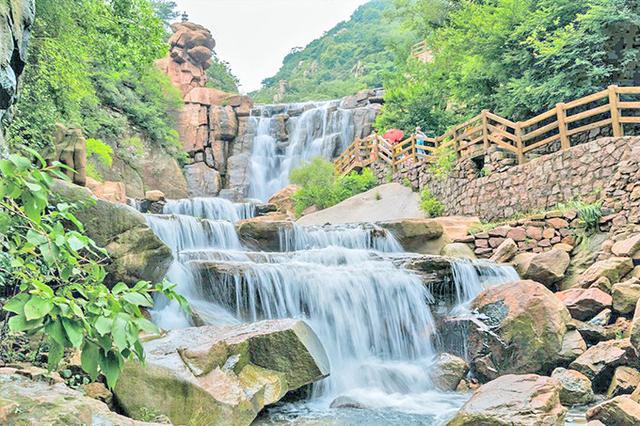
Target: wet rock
412	233
548	268
458	250
283	199
24	401
531	400
505	251
624	381
575	387
573	345
626	295
448	371
523	330
584	304
346	402
619	411
599	362
627	248
202	180
222	375
614	269
262	234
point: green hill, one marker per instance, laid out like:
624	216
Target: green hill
354	55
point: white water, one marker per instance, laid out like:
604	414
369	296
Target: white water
372	317
322	130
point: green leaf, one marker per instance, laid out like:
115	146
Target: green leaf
110	367
36	308
19	323
89	359
146	326
75	332
35	238
119	331
56	352
119	288
103	325
138	299
55	331
76	243
16	304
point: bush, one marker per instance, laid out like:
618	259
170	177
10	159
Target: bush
430	204
53	278
322	188
444	161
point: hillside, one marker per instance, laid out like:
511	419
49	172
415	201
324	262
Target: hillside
354	55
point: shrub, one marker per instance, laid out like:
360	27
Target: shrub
101	150
589	214
54	279
322	188
430	204
444	161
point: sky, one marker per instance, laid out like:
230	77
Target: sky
254	36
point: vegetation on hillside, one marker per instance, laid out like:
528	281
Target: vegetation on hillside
321	187
514	57
354	55
221	77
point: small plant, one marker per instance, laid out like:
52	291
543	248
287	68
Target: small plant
378	196
444	161
589	214
406	182
430	204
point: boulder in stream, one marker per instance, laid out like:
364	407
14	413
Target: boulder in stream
222	375
619	411
261	233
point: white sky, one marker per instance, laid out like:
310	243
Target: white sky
255	35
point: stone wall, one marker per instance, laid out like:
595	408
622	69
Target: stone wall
16	18
606	169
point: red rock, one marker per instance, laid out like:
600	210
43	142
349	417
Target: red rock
584	304
558	223
517	234
534	232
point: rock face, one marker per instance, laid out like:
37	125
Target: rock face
283	199
17	18
600	361
222	376
524	329
448	371
576	387
37	402
135	251
619	411
584	304
523	400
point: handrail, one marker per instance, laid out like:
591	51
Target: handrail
542	133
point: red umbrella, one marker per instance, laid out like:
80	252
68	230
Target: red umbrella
394	136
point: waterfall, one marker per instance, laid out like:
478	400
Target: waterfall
311	130
372	316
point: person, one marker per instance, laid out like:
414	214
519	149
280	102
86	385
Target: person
421	140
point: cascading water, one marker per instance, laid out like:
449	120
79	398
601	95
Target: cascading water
372	316
321	130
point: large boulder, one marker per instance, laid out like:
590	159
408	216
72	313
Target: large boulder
458	251
413	234
619	411
136	253
522	400
573	345
584	304
614	269
224	123
222	376
283	199
575	387
629	247
202	180
523	330
37	401
600	361
505	251
548	268
447	372
262	234
626	295
624	381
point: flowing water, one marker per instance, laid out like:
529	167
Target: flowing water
321	130
372	317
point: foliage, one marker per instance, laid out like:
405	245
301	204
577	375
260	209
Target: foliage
54	278
430	204
101	150
322	188
515	57
91	65
444	160
220	76
589	214
354	55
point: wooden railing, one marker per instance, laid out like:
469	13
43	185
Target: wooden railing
422	52
553	130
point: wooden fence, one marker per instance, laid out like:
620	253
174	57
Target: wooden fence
550	131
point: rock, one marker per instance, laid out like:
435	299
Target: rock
627	248
154	196
522	261
346	402
224	123
614	269
458	250
584	304
70	149
136	253
593	333
24	401
619	411
573	345
603	284
634	333
548	268
262	234
222	375
98	391
624	381
114	192
575	387
626	295
505	251
602	319
283	199
447	372
524	326
202	180
600	361
530	400
412	233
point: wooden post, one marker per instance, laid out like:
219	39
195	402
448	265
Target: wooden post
485	130
615	112
562	126
519	143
